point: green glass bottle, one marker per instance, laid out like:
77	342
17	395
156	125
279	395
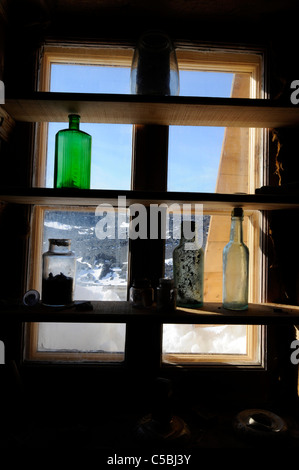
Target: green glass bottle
72	156
188	268
235	266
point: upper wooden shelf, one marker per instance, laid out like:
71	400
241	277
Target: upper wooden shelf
161	110
123	312
213	202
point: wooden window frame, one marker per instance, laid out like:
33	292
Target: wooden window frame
254	356
235	61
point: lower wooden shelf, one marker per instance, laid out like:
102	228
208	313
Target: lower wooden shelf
123	312
263	199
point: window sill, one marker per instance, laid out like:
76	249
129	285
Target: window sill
123	312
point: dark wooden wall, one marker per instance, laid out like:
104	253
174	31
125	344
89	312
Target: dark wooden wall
26	25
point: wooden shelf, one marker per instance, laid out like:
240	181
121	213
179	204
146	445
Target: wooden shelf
123	312
161	110
214	202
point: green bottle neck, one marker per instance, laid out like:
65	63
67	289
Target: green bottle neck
74	121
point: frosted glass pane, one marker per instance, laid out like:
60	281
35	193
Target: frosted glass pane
83	337
222	339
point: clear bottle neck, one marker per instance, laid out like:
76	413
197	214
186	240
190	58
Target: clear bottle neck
236	231
74	121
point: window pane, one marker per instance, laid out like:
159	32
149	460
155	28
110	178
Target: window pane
101	264
89	79
111	152
83	337
101	271
199	83
210	159
197	339
101	274
194	158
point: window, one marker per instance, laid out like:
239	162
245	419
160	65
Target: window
101	272
112	145
200	159
236	153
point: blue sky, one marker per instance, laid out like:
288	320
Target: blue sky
194	152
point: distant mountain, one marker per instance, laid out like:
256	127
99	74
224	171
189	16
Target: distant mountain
99	262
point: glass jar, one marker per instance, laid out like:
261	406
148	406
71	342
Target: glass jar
166	295
72	156
141	293
154	69
59	269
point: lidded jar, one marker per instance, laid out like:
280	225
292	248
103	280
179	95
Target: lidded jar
59	270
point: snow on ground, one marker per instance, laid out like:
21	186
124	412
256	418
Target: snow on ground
223	339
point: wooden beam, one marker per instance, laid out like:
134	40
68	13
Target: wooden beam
137	109
211	313
7	125
214	202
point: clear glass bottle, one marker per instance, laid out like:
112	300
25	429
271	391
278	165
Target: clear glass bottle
59	269
188	268
154	69
235	266
72	156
